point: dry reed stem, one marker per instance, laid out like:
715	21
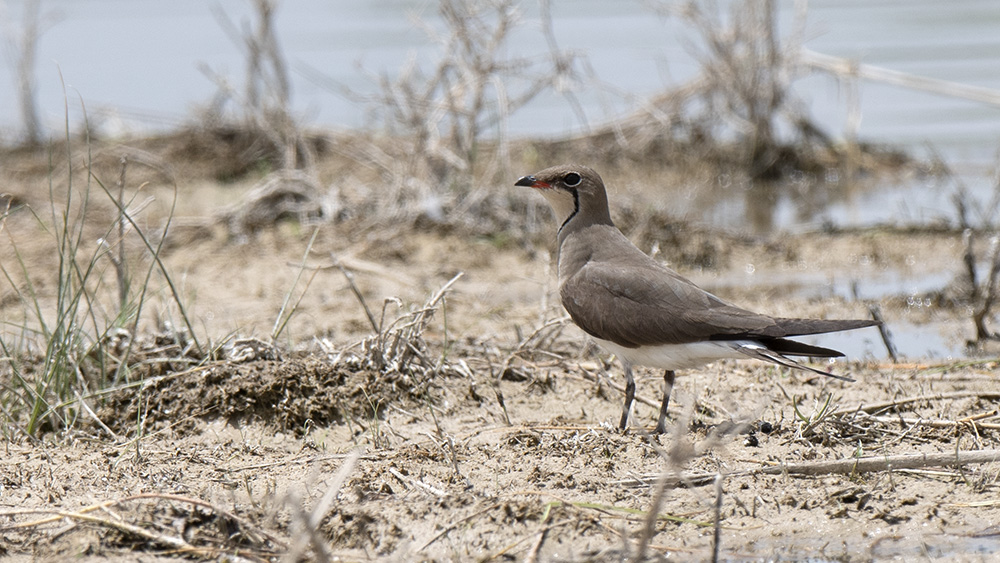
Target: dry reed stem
333	488
532	556
969	423
870	408
143	496
846	68
170	541
510	547
357	292
717	518
649	524
417	484
849	466
24	50
871	464
307	523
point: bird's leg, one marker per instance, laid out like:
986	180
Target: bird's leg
629	397
668	386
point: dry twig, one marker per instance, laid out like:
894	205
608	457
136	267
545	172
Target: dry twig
849	466
895	403
970	423
158	538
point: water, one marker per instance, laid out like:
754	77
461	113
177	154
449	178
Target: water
930	547
135	63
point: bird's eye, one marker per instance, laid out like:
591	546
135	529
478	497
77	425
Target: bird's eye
572	179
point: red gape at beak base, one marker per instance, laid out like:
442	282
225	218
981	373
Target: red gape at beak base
531	182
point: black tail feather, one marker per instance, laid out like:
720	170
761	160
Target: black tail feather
794	348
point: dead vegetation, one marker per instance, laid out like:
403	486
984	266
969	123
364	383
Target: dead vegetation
399	446
266	132
263	106
436	481
981	288
442	141
23	47
445	141
740	113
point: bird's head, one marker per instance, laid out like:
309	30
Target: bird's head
575	192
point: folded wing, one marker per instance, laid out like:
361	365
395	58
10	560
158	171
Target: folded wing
648	304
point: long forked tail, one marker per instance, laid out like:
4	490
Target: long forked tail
761	352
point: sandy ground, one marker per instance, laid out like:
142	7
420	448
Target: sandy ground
493	436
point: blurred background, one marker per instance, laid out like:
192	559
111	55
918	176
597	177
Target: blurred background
735	117
142	65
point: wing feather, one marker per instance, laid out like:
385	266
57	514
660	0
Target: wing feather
645	303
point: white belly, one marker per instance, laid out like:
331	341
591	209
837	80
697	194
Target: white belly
678	356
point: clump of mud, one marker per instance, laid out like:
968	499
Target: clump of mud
291	394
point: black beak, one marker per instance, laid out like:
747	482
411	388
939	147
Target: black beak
529	181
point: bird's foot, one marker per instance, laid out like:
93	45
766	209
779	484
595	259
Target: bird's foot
661	423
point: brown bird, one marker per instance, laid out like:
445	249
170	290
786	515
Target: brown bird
647	314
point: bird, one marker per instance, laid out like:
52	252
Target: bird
646	313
